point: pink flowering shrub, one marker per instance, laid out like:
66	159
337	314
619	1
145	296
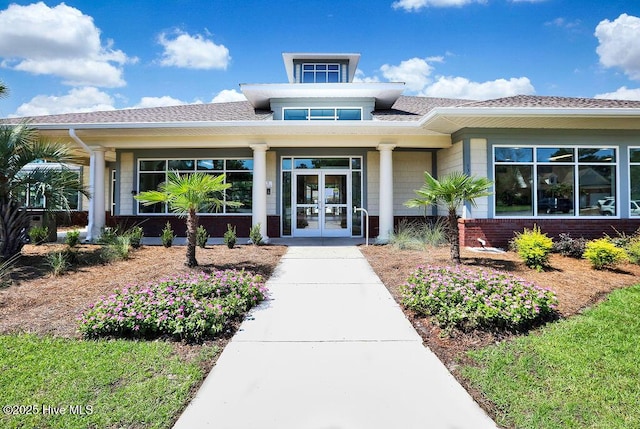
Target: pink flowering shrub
187	306
465	298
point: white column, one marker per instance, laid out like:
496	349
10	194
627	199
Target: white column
97	217
259	195
386	192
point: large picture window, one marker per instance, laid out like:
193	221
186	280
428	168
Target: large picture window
238	172
634	178
554	180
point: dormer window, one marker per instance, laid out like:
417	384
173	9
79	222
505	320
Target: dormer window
320	73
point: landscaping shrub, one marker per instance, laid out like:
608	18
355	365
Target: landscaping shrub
191	306
167	235
230	236
38	234
433	233
135	234
533	247
201	236
465	298
118	250
418	235
58	262
569	246
602	253
72	238
405	236
255	236
633	250
108	235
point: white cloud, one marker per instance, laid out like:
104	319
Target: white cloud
619	44
414	73
158	102
460	87
622	93
360	77
193	52
415	5
227	95
561	22
59	41
87	99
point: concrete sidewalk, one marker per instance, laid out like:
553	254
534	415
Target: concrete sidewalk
330	349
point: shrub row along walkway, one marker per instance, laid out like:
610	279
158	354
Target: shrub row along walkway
329	349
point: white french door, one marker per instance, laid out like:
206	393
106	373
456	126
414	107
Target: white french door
322	202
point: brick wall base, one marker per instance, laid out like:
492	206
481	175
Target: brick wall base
216	226
498	232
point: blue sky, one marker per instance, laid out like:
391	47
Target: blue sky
101	55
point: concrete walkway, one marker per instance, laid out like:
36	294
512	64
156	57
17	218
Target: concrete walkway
330	349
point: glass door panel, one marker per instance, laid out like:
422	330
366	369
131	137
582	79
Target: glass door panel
307	210
336	212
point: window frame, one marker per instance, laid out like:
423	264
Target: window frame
575	163
631	164
224	170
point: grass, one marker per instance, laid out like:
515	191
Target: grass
115	383
418	235
579	373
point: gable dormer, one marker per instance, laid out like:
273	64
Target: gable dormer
320	68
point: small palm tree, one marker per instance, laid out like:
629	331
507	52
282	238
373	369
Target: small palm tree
20	146
451	191
187	195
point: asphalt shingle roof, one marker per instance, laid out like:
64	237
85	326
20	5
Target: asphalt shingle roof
232	111
529	101
406	108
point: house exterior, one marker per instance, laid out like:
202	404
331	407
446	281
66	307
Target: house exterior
301	155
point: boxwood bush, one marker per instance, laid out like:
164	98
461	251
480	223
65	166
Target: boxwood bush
466	298
188	307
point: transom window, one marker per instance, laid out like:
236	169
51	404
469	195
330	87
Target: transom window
238	172
322	114
320	73
554	180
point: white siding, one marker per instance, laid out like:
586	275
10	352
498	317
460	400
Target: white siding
479	169
127	183
373	183
271	177
408	175
449	160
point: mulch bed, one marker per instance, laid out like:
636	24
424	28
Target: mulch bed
575	283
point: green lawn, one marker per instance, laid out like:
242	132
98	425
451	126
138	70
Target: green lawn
583	372
97	384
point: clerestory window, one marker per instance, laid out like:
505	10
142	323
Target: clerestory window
323	114
320	73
